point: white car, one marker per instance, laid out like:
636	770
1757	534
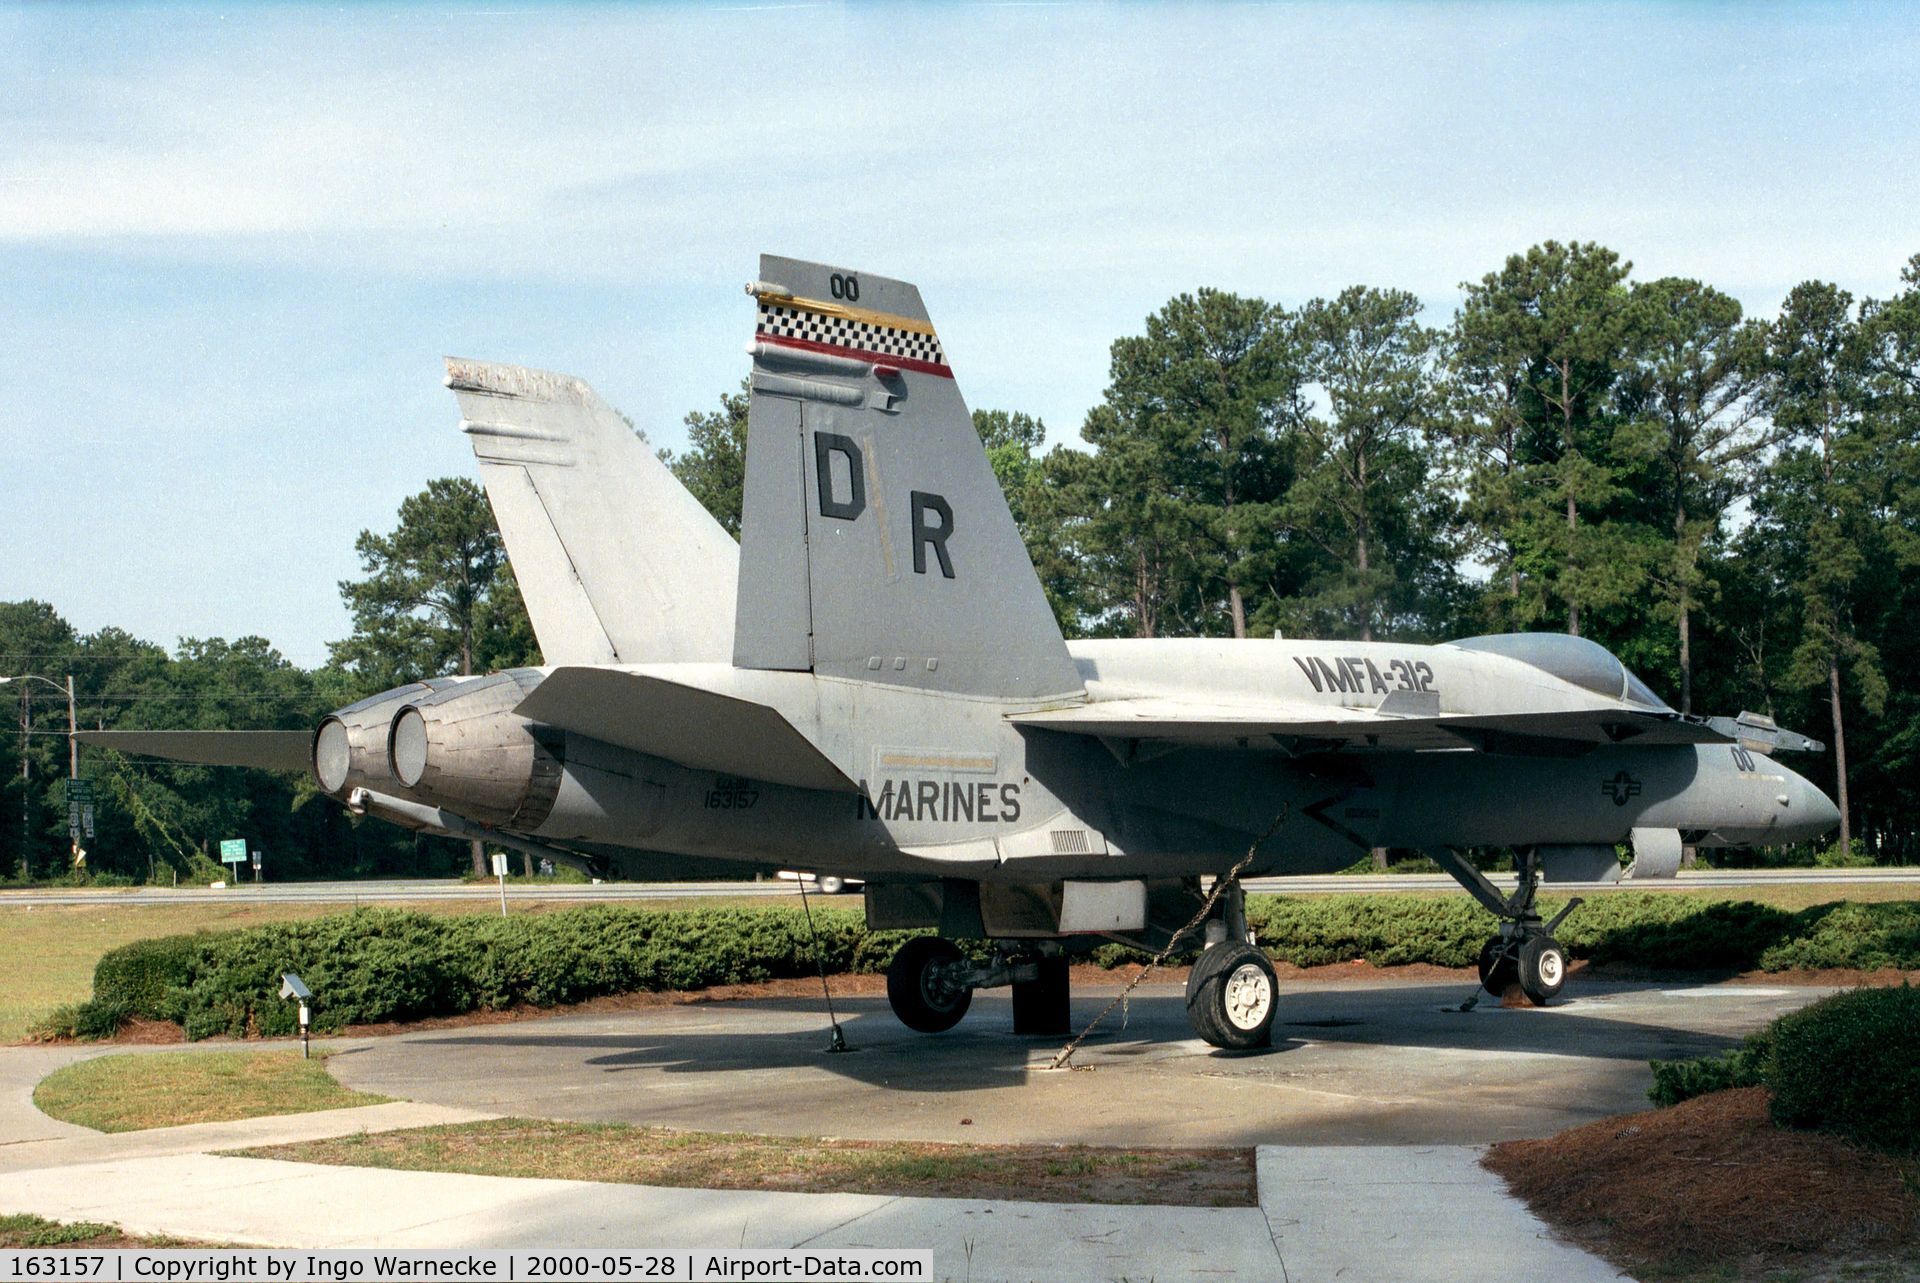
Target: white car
824	883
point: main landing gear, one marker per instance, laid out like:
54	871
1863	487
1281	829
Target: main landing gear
926	985
1525	951
1231	992
930	985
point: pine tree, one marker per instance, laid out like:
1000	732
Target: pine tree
1361	491
1816	501
1544	342
1692	390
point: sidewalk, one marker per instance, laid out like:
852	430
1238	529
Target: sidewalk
1375	1212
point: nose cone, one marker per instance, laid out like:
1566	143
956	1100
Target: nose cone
1807	813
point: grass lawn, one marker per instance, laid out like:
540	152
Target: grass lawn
47	952
34	1231
128	1092
721	1160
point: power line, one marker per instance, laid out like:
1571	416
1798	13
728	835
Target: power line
141	699
76	657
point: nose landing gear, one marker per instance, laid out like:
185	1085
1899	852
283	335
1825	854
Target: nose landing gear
1525	950
1536	962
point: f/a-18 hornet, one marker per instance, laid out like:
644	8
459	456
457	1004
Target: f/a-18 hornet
871	683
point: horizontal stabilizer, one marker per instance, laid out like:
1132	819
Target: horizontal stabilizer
1308	728
267	750
694	727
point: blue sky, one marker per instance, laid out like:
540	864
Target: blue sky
234	243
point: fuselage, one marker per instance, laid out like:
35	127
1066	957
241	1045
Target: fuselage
946	785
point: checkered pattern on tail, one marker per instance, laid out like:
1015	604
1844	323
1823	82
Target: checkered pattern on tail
780	321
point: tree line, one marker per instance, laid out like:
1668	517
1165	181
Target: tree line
1729	503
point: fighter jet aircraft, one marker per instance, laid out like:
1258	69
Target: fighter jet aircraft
871	684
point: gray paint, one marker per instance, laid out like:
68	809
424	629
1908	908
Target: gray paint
909	727
773	626
267	750
984	630
701	728
616	561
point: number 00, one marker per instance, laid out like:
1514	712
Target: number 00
844	287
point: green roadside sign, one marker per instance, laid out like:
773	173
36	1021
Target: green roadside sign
79	808
233	851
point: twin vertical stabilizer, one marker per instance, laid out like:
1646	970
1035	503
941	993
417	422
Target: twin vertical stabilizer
875	545
617	562
875	542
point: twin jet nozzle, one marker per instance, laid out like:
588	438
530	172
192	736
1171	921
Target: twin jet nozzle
454	743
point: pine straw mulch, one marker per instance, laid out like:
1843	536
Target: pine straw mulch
1712	1184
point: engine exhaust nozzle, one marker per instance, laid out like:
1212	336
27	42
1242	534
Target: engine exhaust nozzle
350	745
465	750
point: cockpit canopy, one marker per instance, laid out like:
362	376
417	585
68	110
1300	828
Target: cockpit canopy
1586	664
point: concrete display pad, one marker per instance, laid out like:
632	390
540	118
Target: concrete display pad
1354	1063
1375	1095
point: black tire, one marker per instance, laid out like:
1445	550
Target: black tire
1543	969
1232	996
1498	967
922	1006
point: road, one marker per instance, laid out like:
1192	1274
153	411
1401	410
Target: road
391	892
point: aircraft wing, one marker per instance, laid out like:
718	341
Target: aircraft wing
706	730
267	750
1401	727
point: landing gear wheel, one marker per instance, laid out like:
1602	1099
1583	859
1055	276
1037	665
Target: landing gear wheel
1543	969
916	988
1498	968
1230	996
827	884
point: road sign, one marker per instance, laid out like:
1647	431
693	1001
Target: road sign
233	851
79	808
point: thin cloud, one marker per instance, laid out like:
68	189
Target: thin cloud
234	245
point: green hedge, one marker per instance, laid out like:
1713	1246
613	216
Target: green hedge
382	964
1848	1064
1851	1064
147	976
94	1018
1744	1066
1386	930
1866	936
1647	928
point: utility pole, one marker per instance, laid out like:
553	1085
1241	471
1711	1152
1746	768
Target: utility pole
73	734
26	787
74	854
26	761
